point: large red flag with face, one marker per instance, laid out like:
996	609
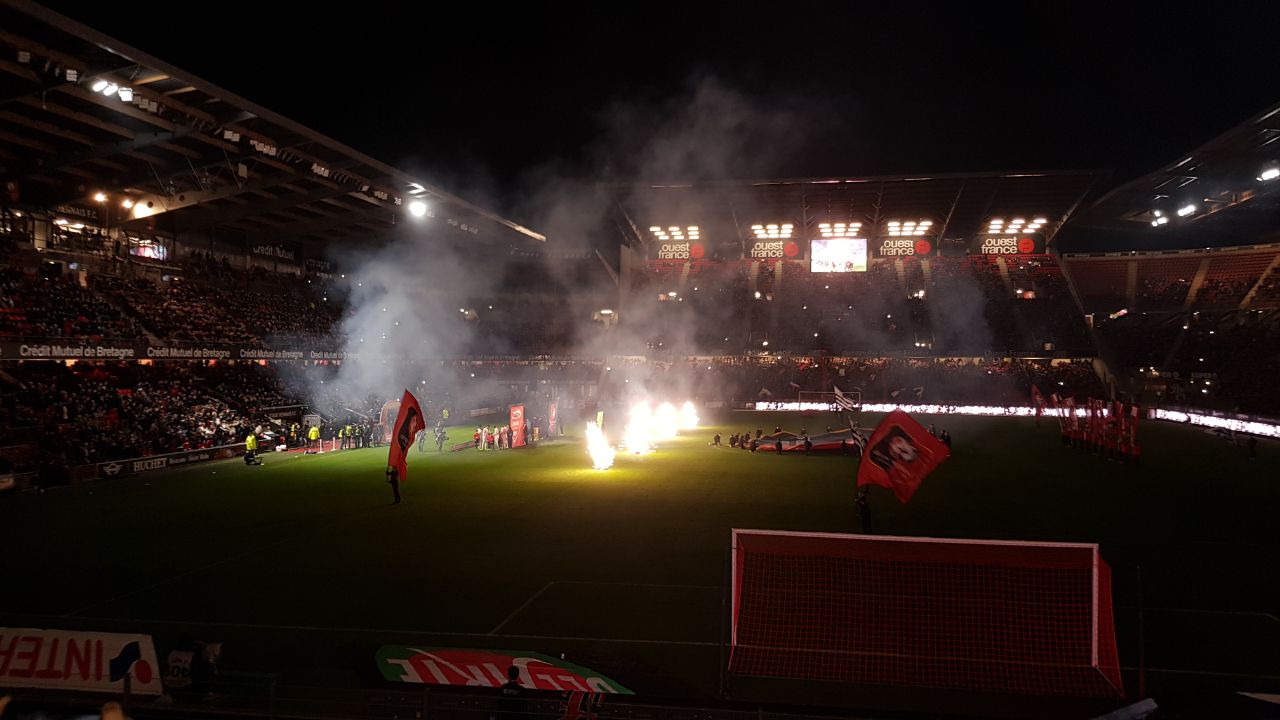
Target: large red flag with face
899	455
409	422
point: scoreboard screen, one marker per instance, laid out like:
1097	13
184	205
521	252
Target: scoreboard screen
838	255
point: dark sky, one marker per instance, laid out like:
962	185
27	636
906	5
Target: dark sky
478	96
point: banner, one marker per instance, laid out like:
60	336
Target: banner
70	350
517	426
409	422
75	660
900	454
285	414
891	247
1007	244
58	350
551	419
488	668
133	466
679	250
773	250
279	252
190	353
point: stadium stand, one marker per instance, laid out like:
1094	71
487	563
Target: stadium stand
33	305
244	311
1102	284
1229	277
91	413
1158	342
877	379
1163	282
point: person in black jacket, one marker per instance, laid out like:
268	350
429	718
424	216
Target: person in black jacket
861	501
513	705
393	478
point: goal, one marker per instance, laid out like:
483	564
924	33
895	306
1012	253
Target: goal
967	614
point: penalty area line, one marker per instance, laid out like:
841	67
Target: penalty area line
401	632
520	609
600	583
637	585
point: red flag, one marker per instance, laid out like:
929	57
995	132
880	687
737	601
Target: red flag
900	454
409	422
1037	397
551	419
517	426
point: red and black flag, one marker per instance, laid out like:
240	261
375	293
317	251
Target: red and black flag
1134	412
899	455
409	422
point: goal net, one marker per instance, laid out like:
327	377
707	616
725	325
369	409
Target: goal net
968	614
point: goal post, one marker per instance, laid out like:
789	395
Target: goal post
816	396
1004	616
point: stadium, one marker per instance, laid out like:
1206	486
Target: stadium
987	444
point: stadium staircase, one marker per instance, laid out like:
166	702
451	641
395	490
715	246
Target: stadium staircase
1196	283
1106	359
1003	268
1167	361
1263	278
129	312
901	273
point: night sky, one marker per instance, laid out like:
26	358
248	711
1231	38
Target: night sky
483	98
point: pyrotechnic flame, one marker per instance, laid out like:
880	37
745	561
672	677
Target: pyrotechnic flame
637	438
598	448
688	416
666	422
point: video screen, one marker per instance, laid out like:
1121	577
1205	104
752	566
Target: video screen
838	255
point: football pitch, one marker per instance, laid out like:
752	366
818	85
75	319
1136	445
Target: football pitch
302	567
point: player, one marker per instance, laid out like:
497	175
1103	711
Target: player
393	478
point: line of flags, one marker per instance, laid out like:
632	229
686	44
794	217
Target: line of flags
1107	425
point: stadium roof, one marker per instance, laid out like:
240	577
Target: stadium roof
184	151
958	206
1223	188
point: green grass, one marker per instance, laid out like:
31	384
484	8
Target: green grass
303	566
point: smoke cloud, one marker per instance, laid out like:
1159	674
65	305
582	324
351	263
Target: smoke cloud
424	296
